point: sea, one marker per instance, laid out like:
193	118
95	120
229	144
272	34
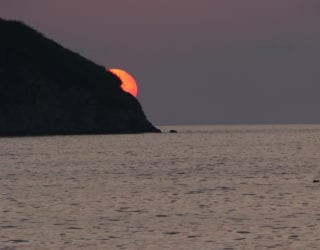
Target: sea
205	187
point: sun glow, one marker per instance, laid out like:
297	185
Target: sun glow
129	84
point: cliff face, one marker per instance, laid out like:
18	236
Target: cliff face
47	89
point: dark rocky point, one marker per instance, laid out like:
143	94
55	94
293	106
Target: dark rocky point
47	89
172	131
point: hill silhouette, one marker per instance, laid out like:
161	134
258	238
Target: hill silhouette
47	89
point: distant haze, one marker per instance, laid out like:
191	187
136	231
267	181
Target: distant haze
196	62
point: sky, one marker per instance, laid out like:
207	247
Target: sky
197	62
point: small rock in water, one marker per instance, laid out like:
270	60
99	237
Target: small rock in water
173	131
316	180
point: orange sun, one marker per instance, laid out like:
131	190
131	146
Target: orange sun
129	84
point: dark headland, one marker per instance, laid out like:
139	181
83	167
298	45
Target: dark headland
46	89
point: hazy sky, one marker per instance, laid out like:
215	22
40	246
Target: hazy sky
196	62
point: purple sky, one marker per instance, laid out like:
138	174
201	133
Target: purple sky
196	62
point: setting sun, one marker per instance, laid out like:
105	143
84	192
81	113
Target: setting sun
129	84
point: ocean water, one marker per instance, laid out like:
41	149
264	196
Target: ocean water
206	187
